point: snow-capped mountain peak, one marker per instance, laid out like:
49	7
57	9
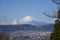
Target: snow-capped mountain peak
31	20
28	19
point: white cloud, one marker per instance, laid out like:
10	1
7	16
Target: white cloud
14	22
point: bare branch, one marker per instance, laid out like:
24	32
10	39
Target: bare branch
56	1
50	15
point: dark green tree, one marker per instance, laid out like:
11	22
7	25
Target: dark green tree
55	35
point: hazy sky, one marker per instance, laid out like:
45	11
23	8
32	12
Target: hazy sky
17	9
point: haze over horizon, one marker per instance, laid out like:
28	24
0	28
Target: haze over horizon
24	20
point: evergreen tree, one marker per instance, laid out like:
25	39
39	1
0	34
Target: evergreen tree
55	35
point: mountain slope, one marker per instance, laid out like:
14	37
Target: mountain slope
26	27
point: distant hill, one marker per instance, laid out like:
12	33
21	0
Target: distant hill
48	27
10	28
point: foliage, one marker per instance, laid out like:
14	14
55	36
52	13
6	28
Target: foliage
55	35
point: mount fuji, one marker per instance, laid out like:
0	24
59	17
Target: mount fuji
28	23
32	20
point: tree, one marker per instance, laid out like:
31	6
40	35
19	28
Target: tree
55	35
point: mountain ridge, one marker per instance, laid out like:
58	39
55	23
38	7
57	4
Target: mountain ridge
25	27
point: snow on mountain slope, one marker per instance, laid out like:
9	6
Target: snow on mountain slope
31	20
27	19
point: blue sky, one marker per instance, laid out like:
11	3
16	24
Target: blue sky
17	9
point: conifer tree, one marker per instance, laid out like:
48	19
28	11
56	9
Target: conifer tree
55	35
